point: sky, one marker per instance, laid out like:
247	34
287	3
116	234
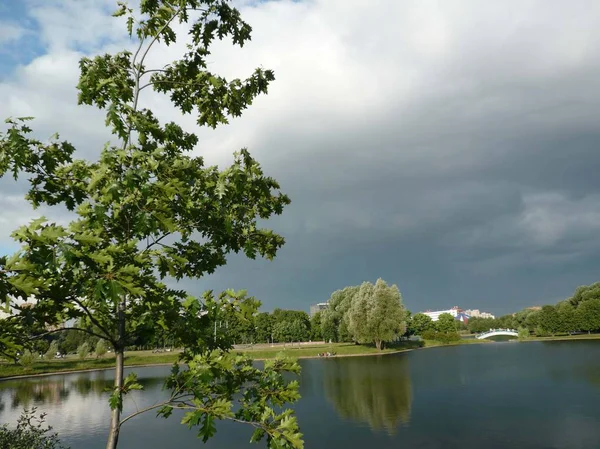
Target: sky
449	147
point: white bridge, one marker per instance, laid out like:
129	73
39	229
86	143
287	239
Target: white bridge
494	332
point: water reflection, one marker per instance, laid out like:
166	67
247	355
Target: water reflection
377	393
54	390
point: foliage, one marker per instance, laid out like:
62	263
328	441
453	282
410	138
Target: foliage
567	319
30	433
442	337
585	293
549	320
52	350
445	323
334	319
588	315
377	314
146	210
264	327
290	331
220	385
100	349
523	333
27	358
420	323
316	331
83	351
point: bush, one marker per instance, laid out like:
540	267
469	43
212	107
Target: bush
523	333
100	348
429	334
442	337
52	350
29	434
83	350
26	360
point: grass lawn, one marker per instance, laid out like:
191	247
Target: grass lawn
258	352
341	349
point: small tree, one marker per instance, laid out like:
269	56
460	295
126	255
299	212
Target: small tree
30	433
523	333
27	358
146	210
52	350
83	351
445	323
420	323
100	349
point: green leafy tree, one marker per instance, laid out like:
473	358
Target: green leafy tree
100	349
334	319
479	325
264	327
420	323
83	351
316	330
585	293
291	331
146	210
532	320
523	333
549	320
588	315
377	314
445	323
567	321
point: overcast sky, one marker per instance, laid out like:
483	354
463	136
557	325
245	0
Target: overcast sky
450	147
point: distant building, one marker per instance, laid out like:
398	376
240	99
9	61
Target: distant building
455	311
315	308
475	313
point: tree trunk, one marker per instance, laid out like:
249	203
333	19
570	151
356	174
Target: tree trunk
115	417
378	344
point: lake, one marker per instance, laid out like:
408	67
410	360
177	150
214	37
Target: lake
518	395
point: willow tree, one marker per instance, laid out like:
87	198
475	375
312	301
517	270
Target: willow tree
377	314
147	210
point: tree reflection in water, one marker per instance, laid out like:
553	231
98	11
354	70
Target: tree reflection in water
52	390
374	390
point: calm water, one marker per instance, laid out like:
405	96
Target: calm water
533	395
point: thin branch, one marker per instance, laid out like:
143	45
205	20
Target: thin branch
65	329
94	321
157	241
139	412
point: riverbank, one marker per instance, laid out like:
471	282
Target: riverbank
258	352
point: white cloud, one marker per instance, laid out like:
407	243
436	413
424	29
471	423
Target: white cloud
10	32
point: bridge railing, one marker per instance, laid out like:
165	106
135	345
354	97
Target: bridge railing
491	331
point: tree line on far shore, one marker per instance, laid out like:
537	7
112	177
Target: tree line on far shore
366	313
578	313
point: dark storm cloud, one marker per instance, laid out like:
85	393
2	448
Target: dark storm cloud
450	147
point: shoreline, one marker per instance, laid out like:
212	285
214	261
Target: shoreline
304	357
148	365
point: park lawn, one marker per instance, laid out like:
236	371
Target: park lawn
73	363
138	358
341	349
566	337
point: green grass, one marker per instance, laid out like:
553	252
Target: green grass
566	337
72	363
341	349
137	358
